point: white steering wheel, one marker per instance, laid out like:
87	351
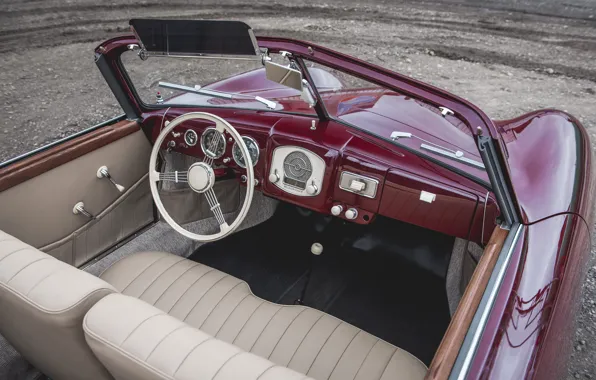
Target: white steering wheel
200	176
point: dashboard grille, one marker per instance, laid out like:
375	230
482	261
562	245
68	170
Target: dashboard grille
297	169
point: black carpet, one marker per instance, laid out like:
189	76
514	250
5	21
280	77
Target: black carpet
369	276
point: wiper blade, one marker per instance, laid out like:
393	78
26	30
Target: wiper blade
216	94
435	148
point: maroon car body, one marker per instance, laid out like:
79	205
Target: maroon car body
545	160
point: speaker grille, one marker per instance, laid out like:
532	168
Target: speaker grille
297	169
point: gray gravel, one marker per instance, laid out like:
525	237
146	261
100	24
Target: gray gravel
506	56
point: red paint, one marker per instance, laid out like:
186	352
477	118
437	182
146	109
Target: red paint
549	161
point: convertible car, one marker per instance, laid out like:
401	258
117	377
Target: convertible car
267	208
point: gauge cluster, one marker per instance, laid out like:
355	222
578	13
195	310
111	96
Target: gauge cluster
253	149
217	146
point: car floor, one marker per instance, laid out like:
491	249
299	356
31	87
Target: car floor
369	276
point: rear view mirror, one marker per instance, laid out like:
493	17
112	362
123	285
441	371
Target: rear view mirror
290	77
283	75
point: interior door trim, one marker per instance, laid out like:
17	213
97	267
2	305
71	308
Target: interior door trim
57	155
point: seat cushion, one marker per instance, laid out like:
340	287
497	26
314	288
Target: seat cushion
42	305
137	341
298	337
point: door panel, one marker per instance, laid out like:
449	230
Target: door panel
39	193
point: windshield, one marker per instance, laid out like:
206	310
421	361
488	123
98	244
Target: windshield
187	82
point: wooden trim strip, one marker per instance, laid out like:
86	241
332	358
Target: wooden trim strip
442	364
42	162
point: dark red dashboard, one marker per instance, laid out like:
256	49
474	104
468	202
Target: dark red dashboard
410	188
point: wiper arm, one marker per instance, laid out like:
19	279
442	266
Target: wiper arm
216	94
457	155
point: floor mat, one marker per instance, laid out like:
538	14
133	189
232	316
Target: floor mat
376	289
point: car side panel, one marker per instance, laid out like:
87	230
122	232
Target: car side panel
531	328
549	156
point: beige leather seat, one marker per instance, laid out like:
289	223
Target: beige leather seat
204	324
42	305
303	339
137	341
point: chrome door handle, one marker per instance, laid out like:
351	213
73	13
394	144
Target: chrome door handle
103	172
79	208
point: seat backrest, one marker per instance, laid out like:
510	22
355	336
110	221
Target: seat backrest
42	305
137	341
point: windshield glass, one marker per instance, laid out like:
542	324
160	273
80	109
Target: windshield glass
210	83
392	115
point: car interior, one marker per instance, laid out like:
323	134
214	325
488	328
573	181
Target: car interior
101	274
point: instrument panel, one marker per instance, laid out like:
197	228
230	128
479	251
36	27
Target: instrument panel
336	172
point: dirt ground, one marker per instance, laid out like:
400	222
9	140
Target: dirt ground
506	56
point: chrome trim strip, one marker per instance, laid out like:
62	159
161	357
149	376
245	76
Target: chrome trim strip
62	140
470	345
452	155
258	58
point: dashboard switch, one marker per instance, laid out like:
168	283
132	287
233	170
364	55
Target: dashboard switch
273	177
357	185
351	213
336	210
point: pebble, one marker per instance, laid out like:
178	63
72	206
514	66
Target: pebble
550	71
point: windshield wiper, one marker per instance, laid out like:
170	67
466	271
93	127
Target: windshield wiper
457	155
216	94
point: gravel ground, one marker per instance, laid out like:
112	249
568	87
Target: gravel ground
506	56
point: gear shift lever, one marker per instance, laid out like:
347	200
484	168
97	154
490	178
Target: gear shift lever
316	249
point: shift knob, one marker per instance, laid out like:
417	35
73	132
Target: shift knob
316	249
352	213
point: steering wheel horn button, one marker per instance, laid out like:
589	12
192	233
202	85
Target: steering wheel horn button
200	177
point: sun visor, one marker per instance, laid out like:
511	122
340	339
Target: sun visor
196	38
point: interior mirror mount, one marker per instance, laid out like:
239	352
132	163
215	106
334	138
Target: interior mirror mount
307	94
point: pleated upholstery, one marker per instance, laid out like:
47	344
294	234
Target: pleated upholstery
137	341
301	338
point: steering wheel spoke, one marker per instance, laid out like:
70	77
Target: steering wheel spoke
175	176
216	209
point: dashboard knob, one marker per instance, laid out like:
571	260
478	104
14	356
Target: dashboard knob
336	210
312	189
273	177
351	213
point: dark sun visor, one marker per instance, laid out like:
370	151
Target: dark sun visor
195	37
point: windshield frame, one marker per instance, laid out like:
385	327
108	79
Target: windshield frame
147	107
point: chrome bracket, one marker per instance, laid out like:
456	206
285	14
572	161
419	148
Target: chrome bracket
446	111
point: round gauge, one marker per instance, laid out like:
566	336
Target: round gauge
190	137
253	149
213	143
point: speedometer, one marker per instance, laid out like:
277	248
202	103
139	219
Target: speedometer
253	149
213	143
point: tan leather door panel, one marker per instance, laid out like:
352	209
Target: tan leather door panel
37	206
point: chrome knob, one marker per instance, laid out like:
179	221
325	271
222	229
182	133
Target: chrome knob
273	177
351	213
336	210
312	189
